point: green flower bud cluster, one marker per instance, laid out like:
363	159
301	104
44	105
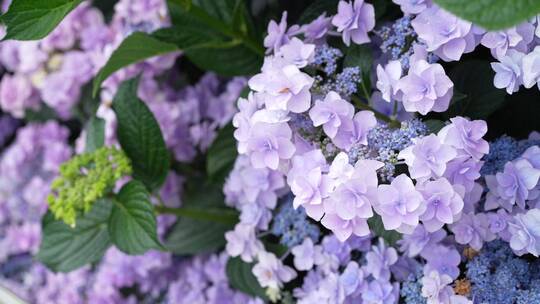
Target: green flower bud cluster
84	179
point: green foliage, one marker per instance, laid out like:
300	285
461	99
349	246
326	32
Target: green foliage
132	225
434	125
377	228
95	134
316	8
241	278
191	236
475	95
84	179
136	47
33	20
140	136
492	14
64	248
222	154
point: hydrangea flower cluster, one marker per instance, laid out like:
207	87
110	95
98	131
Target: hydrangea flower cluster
362	164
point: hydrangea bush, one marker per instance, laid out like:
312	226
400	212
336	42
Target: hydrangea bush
257	152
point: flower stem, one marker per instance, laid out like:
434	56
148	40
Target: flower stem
391	122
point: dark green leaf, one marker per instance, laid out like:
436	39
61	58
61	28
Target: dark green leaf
241	278
43	114
221	154
377	228
190	236
360	56
140	136
316	8
477	97
136	47
492	14
95	134
227	59
434	125
33	20
64	248
132	225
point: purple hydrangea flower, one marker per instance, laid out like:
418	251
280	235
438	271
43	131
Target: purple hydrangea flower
331	113
349	206
443	204
445	260
516	38
308	183
17	95
515	182
420	241
317	29
466	135
285	86
269	143
399	204
381	292
278	34
379	260
525	233
243	242
387	79
425	88
444	34
508	71
435	287
270	271
306	255
427	157
463	171
355	131
531	68
352	278
413	6
298	53
355	20
473	230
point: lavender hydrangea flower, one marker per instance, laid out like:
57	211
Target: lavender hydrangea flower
278	34
420	241
444	34
352	278
443	204
331	113
425	88
17	95
308	183
298	53
399	204
473	230
435	288
515	182
243	242
387	79
427	157
466	135
349	206
355	20
463	171
382	292
525	233
516	38
413	6
269	143
317	29
306	255
286	87
508	71
445	260
531	68
379	260
270	271
355	132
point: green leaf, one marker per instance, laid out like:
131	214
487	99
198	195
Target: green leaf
316	8
95	134
434	125
132	225
190	236
360	56
222	154
33	20
492	14
377	227
64	248
226	59
140	136
136	47
477	98
241	278
43	114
